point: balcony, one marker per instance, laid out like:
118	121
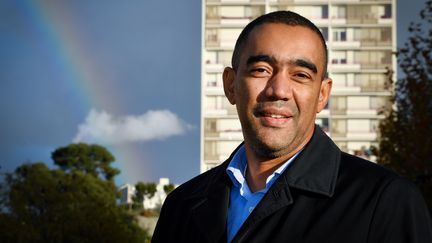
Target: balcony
365	111
346	44
344	67
375	65
376	1
324	113
385	20
214	90
229	21
235	2
300	2
337	89
375	43
214	68
354	136
360	15
345	1
224	135
218	151
366	85
216	159
361	87
224	110
209	164
361	135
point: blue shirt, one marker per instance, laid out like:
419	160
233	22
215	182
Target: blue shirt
242	200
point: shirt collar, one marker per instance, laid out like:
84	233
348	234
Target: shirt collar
236	170
237	167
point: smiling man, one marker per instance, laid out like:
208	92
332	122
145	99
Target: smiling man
288	182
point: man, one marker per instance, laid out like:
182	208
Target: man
288	182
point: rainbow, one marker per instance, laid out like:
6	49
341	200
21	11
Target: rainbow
56	27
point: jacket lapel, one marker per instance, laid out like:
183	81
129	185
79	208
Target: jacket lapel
314	170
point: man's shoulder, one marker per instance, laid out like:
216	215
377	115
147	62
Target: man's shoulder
198	185
354	164
360	170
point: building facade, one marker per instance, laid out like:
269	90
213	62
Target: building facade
127	192
361	38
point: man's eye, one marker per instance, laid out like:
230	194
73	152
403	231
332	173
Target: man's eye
260	71
302	75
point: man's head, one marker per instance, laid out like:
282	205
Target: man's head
278	83
281	17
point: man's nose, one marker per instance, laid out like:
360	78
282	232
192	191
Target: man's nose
279	86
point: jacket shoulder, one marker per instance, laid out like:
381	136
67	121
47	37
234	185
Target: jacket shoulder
353	165
176	216
197	185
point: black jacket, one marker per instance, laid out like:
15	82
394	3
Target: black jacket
324	196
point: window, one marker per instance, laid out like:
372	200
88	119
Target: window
324	12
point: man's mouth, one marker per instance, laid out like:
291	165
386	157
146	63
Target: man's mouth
277	116
275	119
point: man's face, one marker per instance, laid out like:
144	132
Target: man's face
278	88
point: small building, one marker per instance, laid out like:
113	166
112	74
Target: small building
128	191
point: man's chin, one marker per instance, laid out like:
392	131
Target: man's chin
270	151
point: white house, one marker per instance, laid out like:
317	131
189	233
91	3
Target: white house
128	191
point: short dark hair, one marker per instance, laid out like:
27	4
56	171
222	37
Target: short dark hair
278	17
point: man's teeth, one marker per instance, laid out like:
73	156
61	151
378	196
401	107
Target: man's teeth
276	116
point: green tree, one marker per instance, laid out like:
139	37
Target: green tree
169	188
141	190
406	132
90	159
39	204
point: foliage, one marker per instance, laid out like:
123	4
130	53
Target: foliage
406	132
141	190
90	159
169	188
70	204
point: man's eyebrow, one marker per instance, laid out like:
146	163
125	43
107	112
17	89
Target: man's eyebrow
306	64
271	60
260	58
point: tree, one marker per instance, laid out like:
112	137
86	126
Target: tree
406	132
141	190
90	159
169	188
70	204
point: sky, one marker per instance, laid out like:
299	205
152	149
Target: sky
122	74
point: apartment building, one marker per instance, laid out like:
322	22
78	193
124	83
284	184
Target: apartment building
361	37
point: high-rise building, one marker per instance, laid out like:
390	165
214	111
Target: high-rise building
361	37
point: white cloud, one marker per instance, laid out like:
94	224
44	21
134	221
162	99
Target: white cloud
104	128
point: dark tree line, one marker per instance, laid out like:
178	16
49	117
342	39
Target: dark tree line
406	132
76	202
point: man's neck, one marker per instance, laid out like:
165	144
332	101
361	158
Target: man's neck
257	174
259	169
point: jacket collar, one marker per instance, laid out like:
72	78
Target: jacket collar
315	170
316	167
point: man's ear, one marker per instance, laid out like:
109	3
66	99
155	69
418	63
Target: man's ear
324	94
229	84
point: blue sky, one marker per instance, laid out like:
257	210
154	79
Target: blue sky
90	71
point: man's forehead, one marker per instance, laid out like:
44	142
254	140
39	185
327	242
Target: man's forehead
254	46
279	28
269	34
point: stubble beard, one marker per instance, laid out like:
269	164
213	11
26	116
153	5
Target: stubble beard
271	149
264	149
